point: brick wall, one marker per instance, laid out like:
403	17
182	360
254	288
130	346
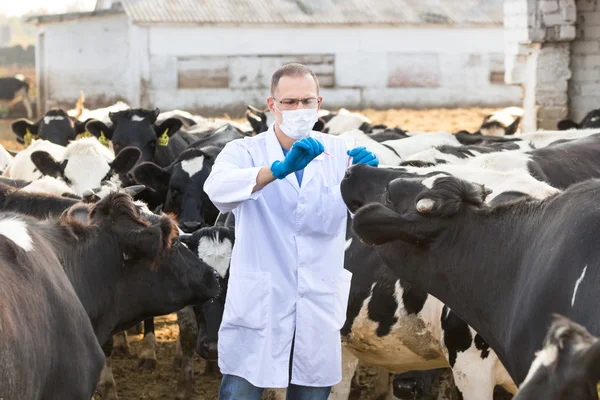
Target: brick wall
537	57
584	87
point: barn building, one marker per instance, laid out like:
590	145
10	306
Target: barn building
215	56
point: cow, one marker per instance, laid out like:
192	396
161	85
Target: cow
14	90
101	114
21	167
86	164
199	327
344	121
439	234
182	184
168	272
55	126
567	367
201	123
560	165
591	120
460	154
502	123
47	342
466	138
160	143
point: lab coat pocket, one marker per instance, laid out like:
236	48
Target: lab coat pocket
333	210
248	300
343	283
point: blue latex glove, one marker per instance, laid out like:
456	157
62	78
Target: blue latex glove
360	155
302	152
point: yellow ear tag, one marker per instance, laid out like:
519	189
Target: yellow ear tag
27	138
85	134
163	140
103	139
598	389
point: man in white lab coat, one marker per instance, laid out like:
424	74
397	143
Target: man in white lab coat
288	290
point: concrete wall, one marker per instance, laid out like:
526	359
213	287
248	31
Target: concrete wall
89	54
584	86
371	67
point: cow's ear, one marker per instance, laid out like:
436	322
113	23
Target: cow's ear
25	130
512	128
126	160
80	126
377	224
151	175
566	124
319	125
211	151
46	164
170	126
153	115
448	195
100	130
167	129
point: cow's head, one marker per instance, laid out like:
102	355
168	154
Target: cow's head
86	165
183	186
213	245
55	126
591	120
568	367
413	208
136	128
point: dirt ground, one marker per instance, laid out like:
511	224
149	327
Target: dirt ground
136	384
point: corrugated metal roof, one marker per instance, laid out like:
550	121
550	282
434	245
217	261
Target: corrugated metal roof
72	16
316	11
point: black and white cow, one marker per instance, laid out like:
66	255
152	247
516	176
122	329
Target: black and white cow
55	126
14	90
560	165
591	120
159	143
502	123
440	235
86	164
460	154
182	184
567	367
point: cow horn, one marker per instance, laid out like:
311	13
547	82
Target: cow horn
133	190
185	236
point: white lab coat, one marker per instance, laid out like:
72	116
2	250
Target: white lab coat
286	269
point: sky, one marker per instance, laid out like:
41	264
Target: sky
20	7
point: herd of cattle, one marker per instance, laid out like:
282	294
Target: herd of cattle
105	224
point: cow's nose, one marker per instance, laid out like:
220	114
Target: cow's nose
190	226
407	389
208	350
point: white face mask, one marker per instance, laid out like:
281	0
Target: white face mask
297	124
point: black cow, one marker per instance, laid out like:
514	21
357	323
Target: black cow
160	143
567	368
591	120
175	267
15	90
182	184
467	138
504	269
55	126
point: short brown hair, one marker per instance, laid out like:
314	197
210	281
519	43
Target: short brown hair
292	69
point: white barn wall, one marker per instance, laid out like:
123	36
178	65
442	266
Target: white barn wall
457	60
89	54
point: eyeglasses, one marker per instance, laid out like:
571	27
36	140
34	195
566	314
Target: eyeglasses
309	102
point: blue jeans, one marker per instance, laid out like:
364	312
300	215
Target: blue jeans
236	388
